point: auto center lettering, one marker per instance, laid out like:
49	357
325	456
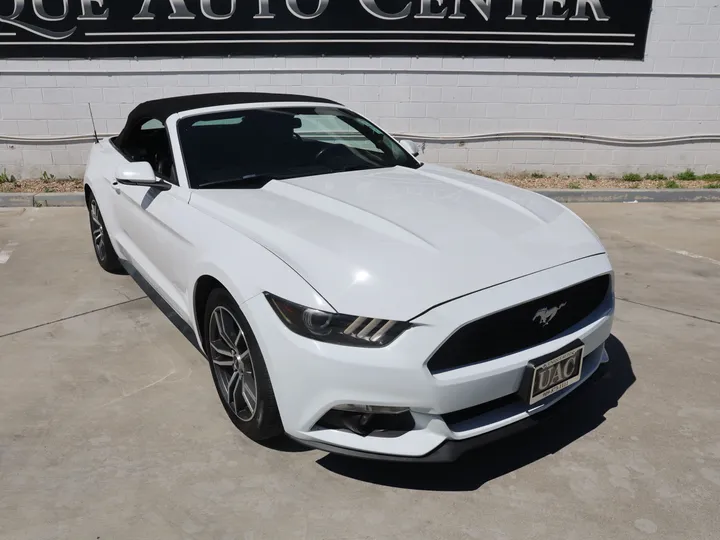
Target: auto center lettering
424	9
571	28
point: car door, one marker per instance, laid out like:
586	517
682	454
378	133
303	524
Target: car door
150	219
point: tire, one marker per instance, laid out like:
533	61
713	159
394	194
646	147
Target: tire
239	370
104	251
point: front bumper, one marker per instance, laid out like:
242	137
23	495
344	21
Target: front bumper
310	378
451	450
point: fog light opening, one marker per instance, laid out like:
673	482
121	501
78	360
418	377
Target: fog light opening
372	409
365	420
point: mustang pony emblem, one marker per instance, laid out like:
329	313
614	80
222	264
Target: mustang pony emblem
546	315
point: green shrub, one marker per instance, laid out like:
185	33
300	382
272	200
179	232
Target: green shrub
591	176
714	185
686	175
655	177
5	178
574	185
712	176
632	177
537	175
671	184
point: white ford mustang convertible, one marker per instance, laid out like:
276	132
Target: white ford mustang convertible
345	293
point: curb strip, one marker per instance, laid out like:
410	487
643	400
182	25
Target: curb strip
15	200
632	195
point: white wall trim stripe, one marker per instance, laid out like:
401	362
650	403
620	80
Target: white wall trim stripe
255	71
483	137
355	32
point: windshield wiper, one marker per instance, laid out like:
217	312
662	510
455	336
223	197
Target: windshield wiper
251	179
364	167
263	178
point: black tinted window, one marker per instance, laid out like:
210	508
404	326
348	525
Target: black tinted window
226	148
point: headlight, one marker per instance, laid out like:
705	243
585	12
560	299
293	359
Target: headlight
335	327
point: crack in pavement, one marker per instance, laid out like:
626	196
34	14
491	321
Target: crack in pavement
130	301
682	252
15	332
667	310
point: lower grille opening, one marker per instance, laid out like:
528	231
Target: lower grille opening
454	418
364	424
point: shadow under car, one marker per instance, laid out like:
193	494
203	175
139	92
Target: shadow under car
573	417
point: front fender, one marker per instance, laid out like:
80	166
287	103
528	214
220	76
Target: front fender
101	163
247	271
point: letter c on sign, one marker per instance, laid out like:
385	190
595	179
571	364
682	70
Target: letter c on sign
372	8
295	9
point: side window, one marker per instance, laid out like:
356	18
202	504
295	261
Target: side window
162	159
149	141
152	124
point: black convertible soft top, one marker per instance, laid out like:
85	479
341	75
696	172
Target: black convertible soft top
161	109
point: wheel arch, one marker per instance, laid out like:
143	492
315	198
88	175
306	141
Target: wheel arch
245	272
204	285
88	192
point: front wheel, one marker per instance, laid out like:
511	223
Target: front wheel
106	256
238	369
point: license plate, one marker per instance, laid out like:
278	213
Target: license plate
548	376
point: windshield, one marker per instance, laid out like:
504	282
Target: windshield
245	149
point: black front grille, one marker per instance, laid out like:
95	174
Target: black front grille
520	327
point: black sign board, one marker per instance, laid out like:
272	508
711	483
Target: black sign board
519	28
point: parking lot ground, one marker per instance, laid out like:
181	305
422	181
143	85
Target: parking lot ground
110	427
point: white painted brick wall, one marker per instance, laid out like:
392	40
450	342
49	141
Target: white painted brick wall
674	91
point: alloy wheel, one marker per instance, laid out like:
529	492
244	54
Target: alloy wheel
232	362
97	230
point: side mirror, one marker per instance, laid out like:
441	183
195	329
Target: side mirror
411	147
139	173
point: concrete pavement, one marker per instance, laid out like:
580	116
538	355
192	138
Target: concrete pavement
110	426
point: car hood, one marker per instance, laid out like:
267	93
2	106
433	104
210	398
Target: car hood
392	243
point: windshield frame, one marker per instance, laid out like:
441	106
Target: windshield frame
174	125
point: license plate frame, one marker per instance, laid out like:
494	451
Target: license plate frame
541	372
